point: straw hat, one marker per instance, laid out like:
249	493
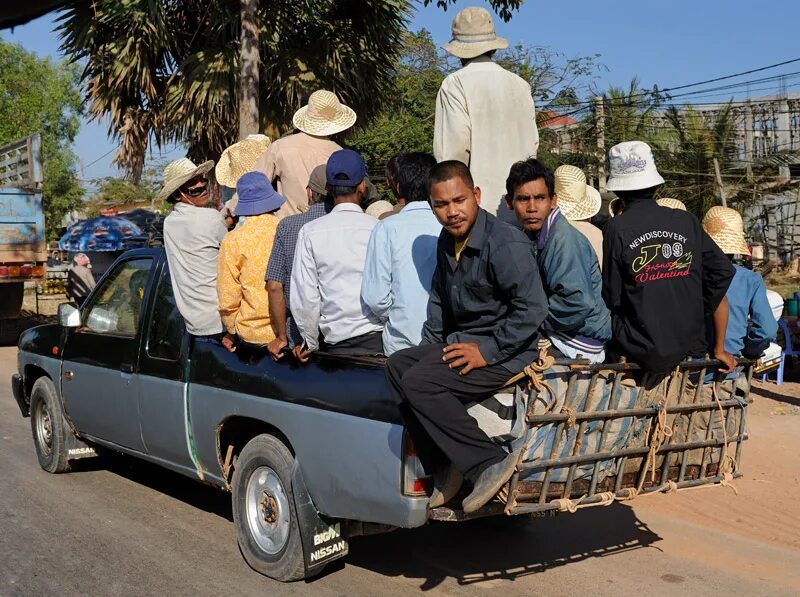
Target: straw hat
324	115
473	34
671	203
576	199
633	167
377	208
179	172
240	158
725	226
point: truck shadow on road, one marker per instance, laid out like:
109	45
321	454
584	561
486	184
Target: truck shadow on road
501	548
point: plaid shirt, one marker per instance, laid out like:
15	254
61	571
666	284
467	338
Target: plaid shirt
279	267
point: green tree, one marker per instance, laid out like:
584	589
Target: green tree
39	95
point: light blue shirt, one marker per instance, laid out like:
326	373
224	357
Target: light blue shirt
751	325
401	259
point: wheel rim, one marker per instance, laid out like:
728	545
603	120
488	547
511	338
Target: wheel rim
268	514
44	428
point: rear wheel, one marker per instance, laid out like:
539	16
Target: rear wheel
49	427
264	511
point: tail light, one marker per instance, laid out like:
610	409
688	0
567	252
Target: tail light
38	270
25	270
14	271
416	483
3	271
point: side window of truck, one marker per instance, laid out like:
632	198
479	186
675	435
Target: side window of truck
167	327
118	304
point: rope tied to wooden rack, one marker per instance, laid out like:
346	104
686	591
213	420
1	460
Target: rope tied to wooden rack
534	372
727	465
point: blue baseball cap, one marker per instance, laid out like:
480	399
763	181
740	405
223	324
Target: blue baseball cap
348	163
256	195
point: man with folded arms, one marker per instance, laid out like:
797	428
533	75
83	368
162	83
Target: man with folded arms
485	309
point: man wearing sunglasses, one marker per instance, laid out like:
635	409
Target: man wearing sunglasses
193	232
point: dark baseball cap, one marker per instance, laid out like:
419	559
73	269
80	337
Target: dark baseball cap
345	168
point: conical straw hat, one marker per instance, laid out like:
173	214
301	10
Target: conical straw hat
671	203
324	115
179	172
576	199
725	226
239	159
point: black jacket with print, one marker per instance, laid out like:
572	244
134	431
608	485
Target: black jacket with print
662	277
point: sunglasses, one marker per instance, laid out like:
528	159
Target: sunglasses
195	191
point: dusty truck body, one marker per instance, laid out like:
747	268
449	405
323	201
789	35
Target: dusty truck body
315	455
23	252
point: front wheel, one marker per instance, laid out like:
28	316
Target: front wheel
264	512
49	427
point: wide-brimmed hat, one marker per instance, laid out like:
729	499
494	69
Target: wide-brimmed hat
576	199
726	228
324	115
632	167
179	172
671	203
473	34
240	158
256	195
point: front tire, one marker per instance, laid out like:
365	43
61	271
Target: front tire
49	427
267	527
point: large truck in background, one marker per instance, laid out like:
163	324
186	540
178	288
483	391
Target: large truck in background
23	248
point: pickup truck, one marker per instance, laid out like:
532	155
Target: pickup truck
316	454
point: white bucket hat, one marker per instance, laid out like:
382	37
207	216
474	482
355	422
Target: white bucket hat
473	34
179	172
632	167
576	199
726	228
324	115
240	158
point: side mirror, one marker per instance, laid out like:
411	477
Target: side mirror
68	316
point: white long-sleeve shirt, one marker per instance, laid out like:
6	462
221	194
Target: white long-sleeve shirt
325	289
485	117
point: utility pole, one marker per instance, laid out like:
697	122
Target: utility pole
719	183
249	62
600	123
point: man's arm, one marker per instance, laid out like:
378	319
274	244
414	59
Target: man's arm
267	163
229	290
276	277
763	328
720	319
452	133
304	296
376	285
433	328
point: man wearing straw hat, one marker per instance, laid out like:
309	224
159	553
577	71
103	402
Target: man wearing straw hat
579	202
577	322
485	115
751	325
235	161
290	160
193	232
663	277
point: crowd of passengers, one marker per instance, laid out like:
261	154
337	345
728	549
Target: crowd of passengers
486	256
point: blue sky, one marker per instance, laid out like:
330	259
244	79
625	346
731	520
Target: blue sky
668	44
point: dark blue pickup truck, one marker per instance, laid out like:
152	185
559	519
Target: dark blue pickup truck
314	455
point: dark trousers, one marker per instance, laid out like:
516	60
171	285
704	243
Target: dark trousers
432	399
366	345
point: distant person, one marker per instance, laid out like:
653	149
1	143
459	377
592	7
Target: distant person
579	202
242	263
391	173
578	323
193	232
328	268
80	280
289	160
378	209
279	268
751	324
401	258
485	115
663	276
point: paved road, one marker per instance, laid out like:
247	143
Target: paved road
119	526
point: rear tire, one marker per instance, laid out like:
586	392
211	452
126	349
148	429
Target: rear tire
267	527
49	427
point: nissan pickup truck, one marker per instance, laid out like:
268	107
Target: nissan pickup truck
316	454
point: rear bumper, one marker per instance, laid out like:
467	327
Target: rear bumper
18	389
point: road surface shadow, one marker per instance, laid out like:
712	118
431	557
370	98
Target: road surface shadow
765	392
503	548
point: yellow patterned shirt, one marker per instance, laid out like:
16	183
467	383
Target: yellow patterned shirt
242	265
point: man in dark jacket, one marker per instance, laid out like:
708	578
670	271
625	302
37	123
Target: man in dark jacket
662	274
485	308
578	322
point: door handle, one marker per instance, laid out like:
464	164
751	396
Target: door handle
126	368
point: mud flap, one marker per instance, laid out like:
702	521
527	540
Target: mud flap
323	539
77	448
